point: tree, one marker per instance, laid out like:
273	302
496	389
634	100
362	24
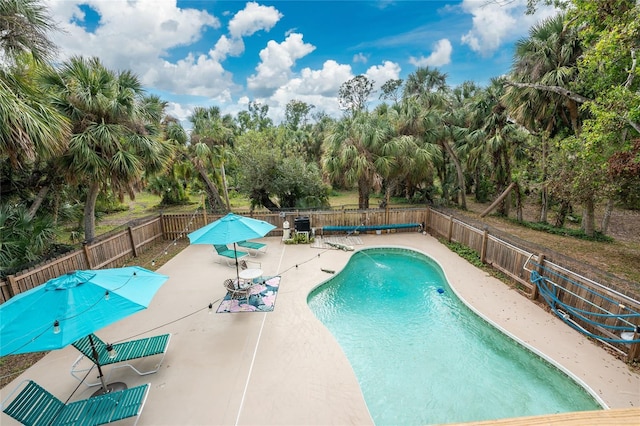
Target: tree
210	138
114	144
502	139
606	89
297	113
254	118
173	185
32	133
412	168
356	151
549	57
275	180
299	185
24	27
391	90
424	81
24	239
428	88
354	94
31	126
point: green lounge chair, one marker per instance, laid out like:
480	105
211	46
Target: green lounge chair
125	351
228	254
254	247
35	406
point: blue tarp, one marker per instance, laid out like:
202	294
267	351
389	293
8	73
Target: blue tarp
363	228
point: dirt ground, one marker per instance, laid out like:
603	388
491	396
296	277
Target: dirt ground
620	258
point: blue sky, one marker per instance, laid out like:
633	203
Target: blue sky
228	53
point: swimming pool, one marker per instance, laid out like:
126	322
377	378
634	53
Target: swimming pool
423	357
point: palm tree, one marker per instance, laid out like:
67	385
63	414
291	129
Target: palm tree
31	127
429	88
115	139
210	136
414	155
501	138
24	25
548	57
355	149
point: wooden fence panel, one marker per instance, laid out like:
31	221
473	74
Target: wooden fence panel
33	277
439	224
178	225
110	252
5	291
146	234
466	235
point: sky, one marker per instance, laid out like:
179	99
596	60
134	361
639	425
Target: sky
229	53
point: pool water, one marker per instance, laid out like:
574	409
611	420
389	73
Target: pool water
422	357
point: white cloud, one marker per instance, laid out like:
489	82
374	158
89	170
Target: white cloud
315	87
380	74
179	111
441	55
226	47
137	35
253	18
360	57
496	23
320	87
277	59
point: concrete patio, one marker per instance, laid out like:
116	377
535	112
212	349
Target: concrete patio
283	367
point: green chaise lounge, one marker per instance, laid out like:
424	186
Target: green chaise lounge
33	405
123	352
228	254
253	246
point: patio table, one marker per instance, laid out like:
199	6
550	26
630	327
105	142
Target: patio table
250	274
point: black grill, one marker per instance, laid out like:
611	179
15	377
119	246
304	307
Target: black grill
302	224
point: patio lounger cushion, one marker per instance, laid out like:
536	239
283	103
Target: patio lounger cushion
253	246
36	406
125	351
225	252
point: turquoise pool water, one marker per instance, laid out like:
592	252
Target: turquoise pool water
422	357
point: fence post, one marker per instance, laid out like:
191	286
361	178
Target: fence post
427	220
450	232
634	349
535	293
87	257
13	285
164	235
204	215
485	239
133	243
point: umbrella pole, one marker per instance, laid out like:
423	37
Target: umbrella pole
235	254
105	388
97	358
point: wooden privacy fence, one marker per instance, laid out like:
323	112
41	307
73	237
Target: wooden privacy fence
115	249
108	251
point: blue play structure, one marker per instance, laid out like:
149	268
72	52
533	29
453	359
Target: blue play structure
621	327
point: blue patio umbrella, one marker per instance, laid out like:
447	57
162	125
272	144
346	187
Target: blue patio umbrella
72	306
230	229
